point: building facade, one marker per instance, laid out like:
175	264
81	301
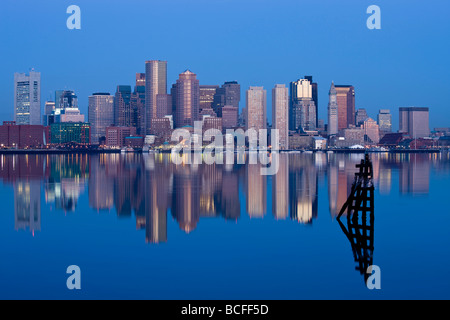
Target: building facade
187	102
346	106
155	83
280	115
256	106
101	115
332	111
415	122
27	98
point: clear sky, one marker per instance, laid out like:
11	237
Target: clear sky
262	43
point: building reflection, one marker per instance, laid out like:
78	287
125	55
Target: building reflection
303	188
27	205
280	188
149	187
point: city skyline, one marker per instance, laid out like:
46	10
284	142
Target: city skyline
378	57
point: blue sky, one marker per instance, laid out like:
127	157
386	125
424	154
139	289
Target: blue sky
263	43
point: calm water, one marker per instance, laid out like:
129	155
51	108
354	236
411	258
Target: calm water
141	227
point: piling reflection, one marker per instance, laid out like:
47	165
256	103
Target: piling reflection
149	187
359	209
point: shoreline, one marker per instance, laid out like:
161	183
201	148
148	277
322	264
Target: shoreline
117	151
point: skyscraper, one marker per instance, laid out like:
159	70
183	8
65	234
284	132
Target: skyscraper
280	114
361	116
332	111
302	108
101	115
415	122
227	95
67	99
155	83
124	116
315	96
27	98
346	106
256	106
186	95
207	96
49	109
385	121
138	103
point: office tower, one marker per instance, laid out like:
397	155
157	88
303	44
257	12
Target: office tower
186	98
256	105
207	96
27	98
140	79
315	96
280	114
138	103
415	122
230	117
227	95
371	131
163	105
346	106
49	109
124	116
101	115
67	99
155	83
332	111
302	109
361	116
58	94
385	121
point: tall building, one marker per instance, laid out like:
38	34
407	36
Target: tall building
163	105
360	117
155	83
67	99
227	95
186	98
415	122
385	120
138	103
58	94
346	106
49	109
27	98
256	106
332	111
124	115
101	115
207	96
280	114
302	108
315	96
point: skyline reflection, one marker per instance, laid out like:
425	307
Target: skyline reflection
150	187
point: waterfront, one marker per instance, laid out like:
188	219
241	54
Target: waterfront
141	227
